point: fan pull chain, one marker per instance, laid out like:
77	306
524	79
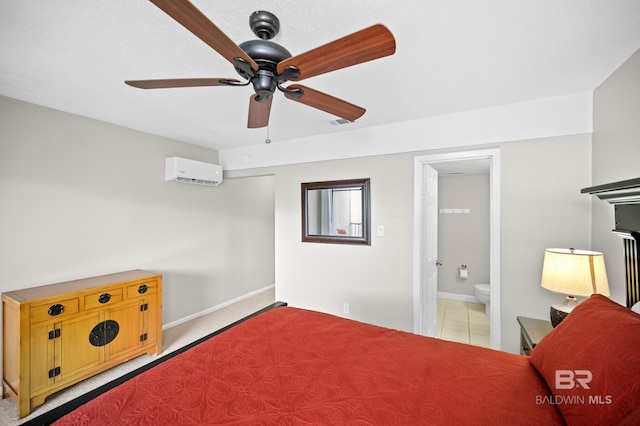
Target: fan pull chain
267	140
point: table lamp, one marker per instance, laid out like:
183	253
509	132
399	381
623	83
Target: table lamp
574	273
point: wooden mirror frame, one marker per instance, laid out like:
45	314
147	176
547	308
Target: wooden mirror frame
364	185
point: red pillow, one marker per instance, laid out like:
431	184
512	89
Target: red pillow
591	363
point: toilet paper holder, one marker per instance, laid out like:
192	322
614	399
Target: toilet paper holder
462	271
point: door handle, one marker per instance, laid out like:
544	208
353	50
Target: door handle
438	262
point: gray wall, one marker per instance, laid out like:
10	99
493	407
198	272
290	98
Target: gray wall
541	207
616	156
80	197
463	238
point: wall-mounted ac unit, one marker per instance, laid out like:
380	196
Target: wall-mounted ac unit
195	172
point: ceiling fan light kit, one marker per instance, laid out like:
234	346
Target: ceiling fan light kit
268	66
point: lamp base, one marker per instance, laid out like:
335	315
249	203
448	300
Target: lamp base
561	310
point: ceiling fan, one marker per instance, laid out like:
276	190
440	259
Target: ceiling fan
268	65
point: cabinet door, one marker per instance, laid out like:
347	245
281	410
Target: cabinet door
129	319
41	356
76	354
61	350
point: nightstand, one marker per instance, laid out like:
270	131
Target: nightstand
531	332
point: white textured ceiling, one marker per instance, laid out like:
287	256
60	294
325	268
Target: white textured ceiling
452	55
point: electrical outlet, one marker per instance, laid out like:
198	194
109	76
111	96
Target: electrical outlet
346	308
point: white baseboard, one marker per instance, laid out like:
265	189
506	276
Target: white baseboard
455	296
216	307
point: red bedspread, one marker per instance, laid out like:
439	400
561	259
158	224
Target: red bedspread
292	366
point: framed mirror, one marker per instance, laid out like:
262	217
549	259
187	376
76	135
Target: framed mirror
336	212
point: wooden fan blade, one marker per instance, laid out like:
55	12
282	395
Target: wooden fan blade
326	103
259	112
195	21
365	45
178	82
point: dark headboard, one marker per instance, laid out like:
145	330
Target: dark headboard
625	197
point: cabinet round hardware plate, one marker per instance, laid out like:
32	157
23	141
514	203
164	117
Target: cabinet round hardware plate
104	298
104	333
143	289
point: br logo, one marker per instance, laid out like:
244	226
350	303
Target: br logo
569	379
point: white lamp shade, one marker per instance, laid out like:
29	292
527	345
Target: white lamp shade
574	272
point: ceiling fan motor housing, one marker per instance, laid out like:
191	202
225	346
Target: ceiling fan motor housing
267	55
266	51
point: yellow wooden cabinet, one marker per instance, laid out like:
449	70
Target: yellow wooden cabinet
59	334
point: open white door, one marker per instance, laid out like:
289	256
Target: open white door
430	251
425	243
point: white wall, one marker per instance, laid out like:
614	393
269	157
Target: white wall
536	119
79	198
616	151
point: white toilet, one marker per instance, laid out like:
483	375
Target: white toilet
483	294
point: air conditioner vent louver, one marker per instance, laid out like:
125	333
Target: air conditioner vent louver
183	170
196	181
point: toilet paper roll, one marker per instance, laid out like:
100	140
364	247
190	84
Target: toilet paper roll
463	273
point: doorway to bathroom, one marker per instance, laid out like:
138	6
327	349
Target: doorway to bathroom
429	206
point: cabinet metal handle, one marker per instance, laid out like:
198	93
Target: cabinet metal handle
104	298
143	289
56	309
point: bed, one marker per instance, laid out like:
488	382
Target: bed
294	366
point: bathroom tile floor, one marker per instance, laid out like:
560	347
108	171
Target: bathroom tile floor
463	322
